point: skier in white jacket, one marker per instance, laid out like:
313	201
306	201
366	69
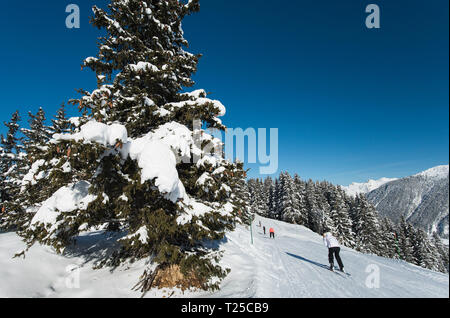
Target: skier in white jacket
333	250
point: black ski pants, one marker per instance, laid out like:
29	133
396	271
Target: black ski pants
334	253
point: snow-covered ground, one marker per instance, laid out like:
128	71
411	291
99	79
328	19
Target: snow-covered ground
292	265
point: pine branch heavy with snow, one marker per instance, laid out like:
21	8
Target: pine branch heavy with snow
136	163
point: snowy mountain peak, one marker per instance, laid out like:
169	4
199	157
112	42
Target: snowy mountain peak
438	172
357	188
422	199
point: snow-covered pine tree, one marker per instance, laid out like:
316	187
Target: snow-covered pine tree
257	199
388	241
241	197
37	135
275	211
341	219
300	193
288	199
35	143
138	163
425	254
404	235
269	196
327	223
35	188
353	210
316	217
323	199
3	196
252	186
367	227
145	43
12	170
61	124
443	253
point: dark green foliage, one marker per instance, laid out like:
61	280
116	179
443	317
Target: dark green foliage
37	136
60	124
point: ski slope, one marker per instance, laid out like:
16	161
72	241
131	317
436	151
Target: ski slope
291	266
294	265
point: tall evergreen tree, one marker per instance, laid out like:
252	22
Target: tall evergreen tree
300	193
269	196
425	254
367	227
37	135
3	178
61	124
138	113
404	235
443	253
341	219
388	241
316	217
241	197
258	200
275	212
35	144
12	171
288	199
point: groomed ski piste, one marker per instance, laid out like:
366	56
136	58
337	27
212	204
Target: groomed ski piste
293	265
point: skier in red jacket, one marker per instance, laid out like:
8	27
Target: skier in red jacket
272	233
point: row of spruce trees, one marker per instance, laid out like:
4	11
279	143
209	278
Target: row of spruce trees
353	220
142	70
18	150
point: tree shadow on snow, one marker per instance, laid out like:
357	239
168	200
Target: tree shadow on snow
94	247
216	244
308	261
98	247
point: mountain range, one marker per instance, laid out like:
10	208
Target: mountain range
423	199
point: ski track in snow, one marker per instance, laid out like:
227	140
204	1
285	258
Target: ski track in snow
293	265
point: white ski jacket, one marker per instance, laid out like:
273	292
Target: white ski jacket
330	241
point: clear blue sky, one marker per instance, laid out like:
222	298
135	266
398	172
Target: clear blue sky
350	103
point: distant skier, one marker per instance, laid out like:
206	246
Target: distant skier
264	229
272	233
333	250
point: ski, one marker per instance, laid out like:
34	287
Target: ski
345	274
334	271
341	273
